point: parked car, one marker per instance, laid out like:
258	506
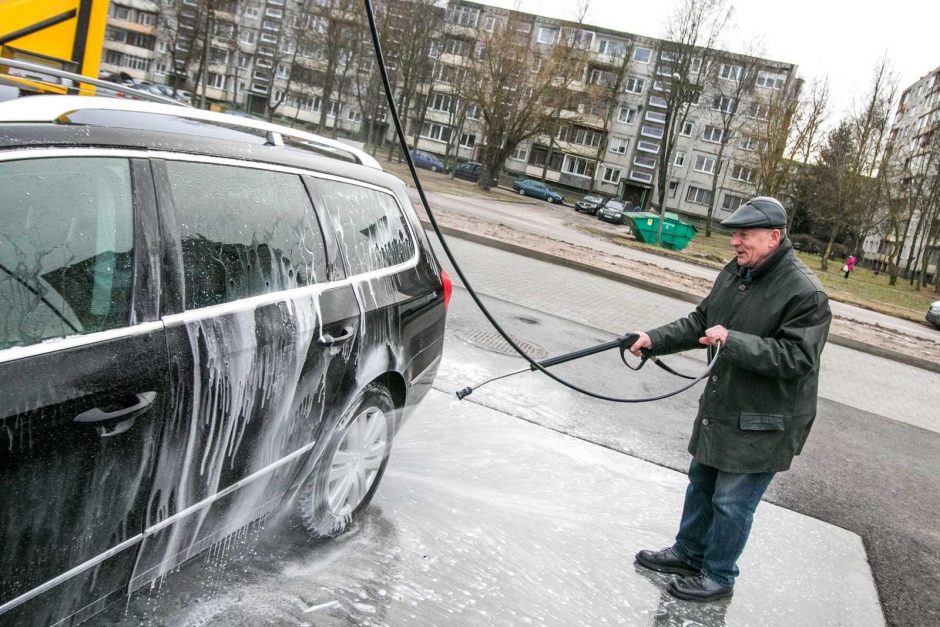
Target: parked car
590	204
469	171
613	211
198	325
933	314
537	189
427	161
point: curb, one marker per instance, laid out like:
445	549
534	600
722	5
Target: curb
656	288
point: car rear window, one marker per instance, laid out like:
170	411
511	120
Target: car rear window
244	232
66	247
373	231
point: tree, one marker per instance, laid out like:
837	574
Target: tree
850	161
507	87
184	28
685	59
790	133
726	108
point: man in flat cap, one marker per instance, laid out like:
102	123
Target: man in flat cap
770	316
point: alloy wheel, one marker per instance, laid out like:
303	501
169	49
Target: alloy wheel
357	461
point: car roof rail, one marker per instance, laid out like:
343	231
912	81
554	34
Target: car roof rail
37	73
58	108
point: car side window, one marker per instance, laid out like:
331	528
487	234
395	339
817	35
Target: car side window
372	228
66	247
244	232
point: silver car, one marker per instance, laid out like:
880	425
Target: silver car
933	314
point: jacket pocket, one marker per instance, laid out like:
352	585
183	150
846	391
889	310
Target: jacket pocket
761	422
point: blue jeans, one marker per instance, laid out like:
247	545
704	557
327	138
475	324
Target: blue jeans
716	519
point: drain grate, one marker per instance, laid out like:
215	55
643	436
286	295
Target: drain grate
495	343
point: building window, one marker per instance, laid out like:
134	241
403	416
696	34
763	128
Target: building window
643	177
731	202
633	85
121	13
611	48
136	63
437	132
770	79
611	175
547	35
695	65
699	196
652	131
627	115
466	16
218	56
704	164
713	134
650	147
730	72
743	173
442	102
354	115
275	13
687	129
619	145
283	70
599	77
659	102
576	165
759	110
473	112
656	116
247	36
489	23
251	12
521	153
536	65
673	188
468	140
725	104
216	80
644	162
642	55
679	159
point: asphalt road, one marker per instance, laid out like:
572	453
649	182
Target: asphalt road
866	473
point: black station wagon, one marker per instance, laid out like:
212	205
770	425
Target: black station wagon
202	318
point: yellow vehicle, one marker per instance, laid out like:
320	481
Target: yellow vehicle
60	34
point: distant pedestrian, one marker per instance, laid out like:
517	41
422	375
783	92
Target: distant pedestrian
771	317
849	265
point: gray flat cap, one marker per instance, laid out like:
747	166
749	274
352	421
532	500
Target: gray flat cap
762	212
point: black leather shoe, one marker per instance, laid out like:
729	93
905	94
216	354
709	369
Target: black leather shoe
699	588
666	561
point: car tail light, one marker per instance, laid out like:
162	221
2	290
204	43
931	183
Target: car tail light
448	287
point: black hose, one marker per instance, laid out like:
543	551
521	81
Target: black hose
400	131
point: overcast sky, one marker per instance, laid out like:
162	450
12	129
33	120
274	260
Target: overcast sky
840	39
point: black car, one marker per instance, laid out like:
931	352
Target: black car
590	204
469	171
202	317
613	211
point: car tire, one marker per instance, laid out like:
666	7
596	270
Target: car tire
522	192
347	474
434	168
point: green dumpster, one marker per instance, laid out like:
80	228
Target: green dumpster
676	233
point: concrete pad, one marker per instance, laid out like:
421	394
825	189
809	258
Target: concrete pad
504	522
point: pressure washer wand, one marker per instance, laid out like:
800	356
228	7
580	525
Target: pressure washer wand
626	340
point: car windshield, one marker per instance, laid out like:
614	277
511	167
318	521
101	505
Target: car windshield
614	205
592	199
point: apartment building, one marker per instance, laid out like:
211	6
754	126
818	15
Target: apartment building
271	56
914	154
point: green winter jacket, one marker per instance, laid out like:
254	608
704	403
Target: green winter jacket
760	402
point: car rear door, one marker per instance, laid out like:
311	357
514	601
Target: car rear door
260	329
83	370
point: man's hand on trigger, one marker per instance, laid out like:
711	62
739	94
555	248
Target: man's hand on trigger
644	341
714	335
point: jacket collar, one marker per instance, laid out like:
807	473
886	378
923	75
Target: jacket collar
769	264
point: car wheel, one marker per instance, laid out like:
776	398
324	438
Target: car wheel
522	192
348	473
434	168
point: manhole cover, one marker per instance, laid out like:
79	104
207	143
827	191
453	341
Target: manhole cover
495	343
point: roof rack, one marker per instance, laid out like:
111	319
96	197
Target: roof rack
36	73
56	108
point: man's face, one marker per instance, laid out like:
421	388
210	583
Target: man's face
753	246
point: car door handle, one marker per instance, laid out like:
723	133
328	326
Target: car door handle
96	415
332	340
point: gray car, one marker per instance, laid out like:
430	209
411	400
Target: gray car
933	314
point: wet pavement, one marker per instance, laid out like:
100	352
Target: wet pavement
485	519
